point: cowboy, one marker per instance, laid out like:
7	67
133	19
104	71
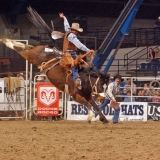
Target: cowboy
111	92
71	44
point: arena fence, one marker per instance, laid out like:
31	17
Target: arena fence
140	107
45	93
16	100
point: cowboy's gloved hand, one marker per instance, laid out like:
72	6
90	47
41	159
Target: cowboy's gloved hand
90	52
114	101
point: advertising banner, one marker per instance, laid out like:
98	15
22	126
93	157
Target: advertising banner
154	111
47	100
2	89
130	111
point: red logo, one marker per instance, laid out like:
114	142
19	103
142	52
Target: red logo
47	95
47	99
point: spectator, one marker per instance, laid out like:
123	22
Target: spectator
40	79
154	61
128	98
157	23
151	54
157	53
146	89
129	86
156	97
138	99
142	98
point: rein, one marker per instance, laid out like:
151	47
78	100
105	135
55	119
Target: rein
44	64
91	59
94	87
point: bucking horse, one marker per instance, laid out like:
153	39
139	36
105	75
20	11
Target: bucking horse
50	63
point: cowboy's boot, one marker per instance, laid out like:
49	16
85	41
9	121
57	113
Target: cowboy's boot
78	83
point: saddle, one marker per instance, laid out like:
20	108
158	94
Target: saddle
67	62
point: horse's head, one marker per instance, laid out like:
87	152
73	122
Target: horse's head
35	55
96	80
103	82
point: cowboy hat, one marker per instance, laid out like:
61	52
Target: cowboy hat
76	27
40	78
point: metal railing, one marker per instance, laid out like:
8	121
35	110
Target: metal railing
137	36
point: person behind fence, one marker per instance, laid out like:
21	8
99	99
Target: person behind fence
151	54
156	98
111	92
147	91
128	98
157	23
141	96
71	44
154	61
157	53
129	86
157	30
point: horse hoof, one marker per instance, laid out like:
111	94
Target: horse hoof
105	121
89	121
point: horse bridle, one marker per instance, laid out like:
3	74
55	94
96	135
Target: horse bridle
94	87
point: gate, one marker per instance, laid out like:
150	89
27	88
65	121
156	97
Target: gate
42	105
13	89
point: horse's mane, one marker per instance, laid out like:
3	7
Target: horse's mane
93	72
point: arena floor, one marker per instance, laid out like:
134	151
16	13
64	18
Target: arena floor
79	140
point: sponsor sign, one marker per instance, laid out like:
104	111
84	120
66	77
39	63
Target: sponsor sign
47	100
130	111
154	111
133	111
2	90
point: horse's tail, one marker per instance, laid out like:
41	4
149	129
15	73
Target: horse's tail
38	21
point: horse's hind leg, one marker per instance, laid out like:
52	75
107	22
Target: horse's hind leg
95	107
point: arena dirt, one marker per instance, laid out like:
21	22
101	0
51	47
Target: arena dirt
79	140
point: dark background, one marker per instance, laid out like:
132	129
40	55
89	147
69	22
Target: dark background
150	9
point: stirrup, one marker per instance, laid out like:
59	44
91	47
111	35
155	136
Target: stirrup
78	83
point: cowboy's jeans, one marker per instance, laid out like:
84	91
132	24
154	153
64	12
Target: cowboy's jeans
116	115
75	73
75	68
116	111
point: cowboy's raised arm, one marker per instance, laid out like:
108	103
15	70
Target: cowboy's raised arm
66	24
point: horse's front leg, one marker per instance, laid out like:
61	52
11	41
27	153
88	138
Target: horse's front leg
95	107
78	98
